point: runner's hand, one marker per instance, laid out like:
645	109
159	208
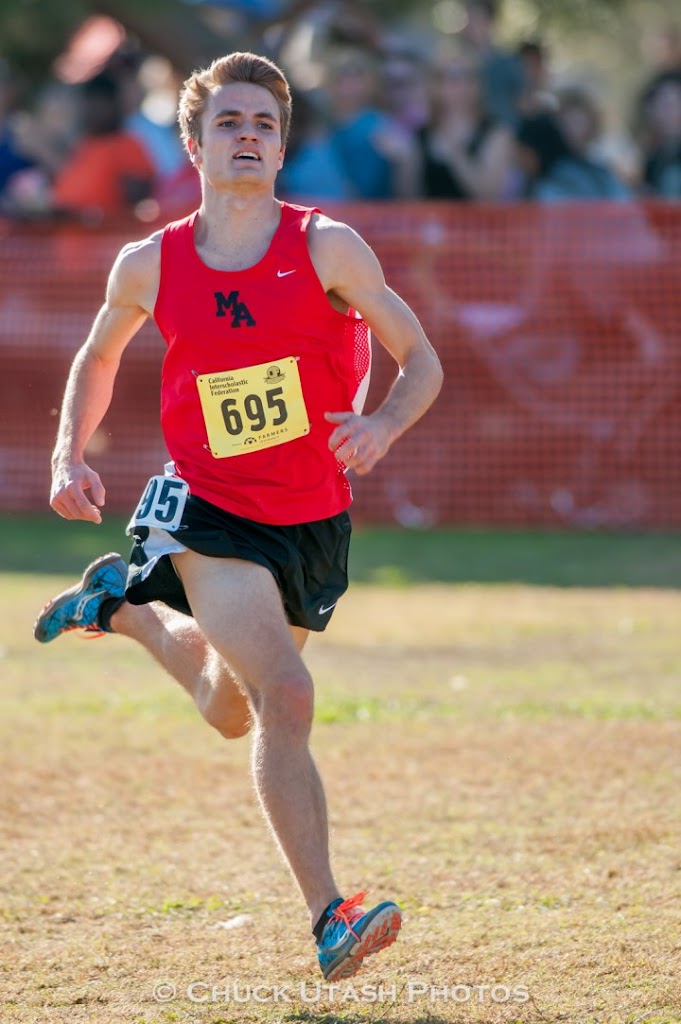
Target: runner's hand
358	441
68	498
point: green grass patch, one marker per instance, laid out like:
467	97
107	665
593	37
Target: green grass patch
393	557
501	758
398	558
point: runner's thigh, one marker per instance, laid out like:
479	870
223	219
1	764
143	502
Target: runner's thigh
238	608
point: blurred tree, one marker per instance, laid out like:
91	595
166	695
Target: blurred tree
569	13
34	32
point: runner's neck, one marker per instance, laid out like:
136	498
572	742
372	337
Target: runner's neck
234	234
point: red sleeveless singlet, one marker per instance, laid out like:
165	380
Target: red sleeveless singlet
255	358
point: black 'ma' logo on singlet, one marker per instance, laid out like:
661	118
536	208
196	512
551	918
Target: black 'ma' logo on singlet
238	311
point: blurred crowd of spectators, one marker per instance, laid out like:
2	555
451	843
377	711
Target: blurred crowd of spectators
470	121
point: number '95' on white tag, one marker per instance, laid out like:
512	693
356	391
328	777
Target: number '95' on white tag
161	504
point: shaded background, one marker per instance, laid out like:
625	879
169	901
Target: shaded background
558	324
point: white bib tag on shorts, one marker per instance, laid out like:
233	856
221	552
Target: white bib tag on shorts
161	504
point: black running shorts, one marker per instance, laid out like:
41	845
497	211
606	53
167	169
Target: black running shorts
308	561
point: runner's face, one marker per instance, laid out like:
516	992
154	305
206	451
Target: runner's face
240	146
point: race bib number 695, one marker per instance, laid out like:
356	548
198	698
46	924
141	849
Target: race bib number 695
252	408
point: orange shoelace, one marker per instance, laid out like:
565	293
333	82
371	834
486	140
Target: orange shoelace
95	632
349	910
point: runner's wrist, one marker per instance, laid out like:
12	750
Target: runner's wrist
389	422
65	458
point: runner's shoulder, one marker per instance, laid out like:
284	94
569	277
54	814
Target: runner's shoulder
331	231
141	257
340	255
334	240
136	271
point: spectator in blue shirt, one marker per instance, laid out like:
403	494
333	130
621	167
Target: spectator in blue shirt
558	156
376	153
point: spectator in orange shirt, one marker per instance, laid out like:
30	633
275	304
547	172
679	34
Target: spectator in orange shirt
109	171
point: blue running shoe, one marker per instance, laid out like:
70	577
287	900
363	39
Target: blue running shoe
353	933
79	607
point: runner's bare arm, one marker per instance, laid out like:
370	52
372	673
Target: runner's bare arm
130	296
349	270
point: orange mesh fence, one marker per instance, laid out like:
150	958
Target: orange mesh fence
559	330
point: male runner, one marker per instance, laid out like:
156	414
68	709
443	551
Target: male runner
241	548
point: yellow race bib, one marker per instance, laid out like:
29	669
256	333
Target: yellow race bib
253	408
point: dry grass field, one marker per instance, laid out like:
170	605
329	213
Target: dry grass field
503	758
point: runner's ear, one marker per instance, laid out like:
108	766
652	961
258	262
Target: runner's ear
192	148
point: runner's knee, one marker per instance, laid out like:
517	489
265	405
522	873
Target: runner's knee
287	703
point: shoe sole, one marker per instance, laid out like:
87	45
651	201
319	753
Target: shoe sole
379	933
66	595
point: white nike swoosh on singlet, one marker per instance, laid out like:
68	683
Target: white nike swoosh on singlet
285	273
323	610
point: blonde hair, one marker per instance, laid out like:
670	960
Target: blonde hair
235	67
